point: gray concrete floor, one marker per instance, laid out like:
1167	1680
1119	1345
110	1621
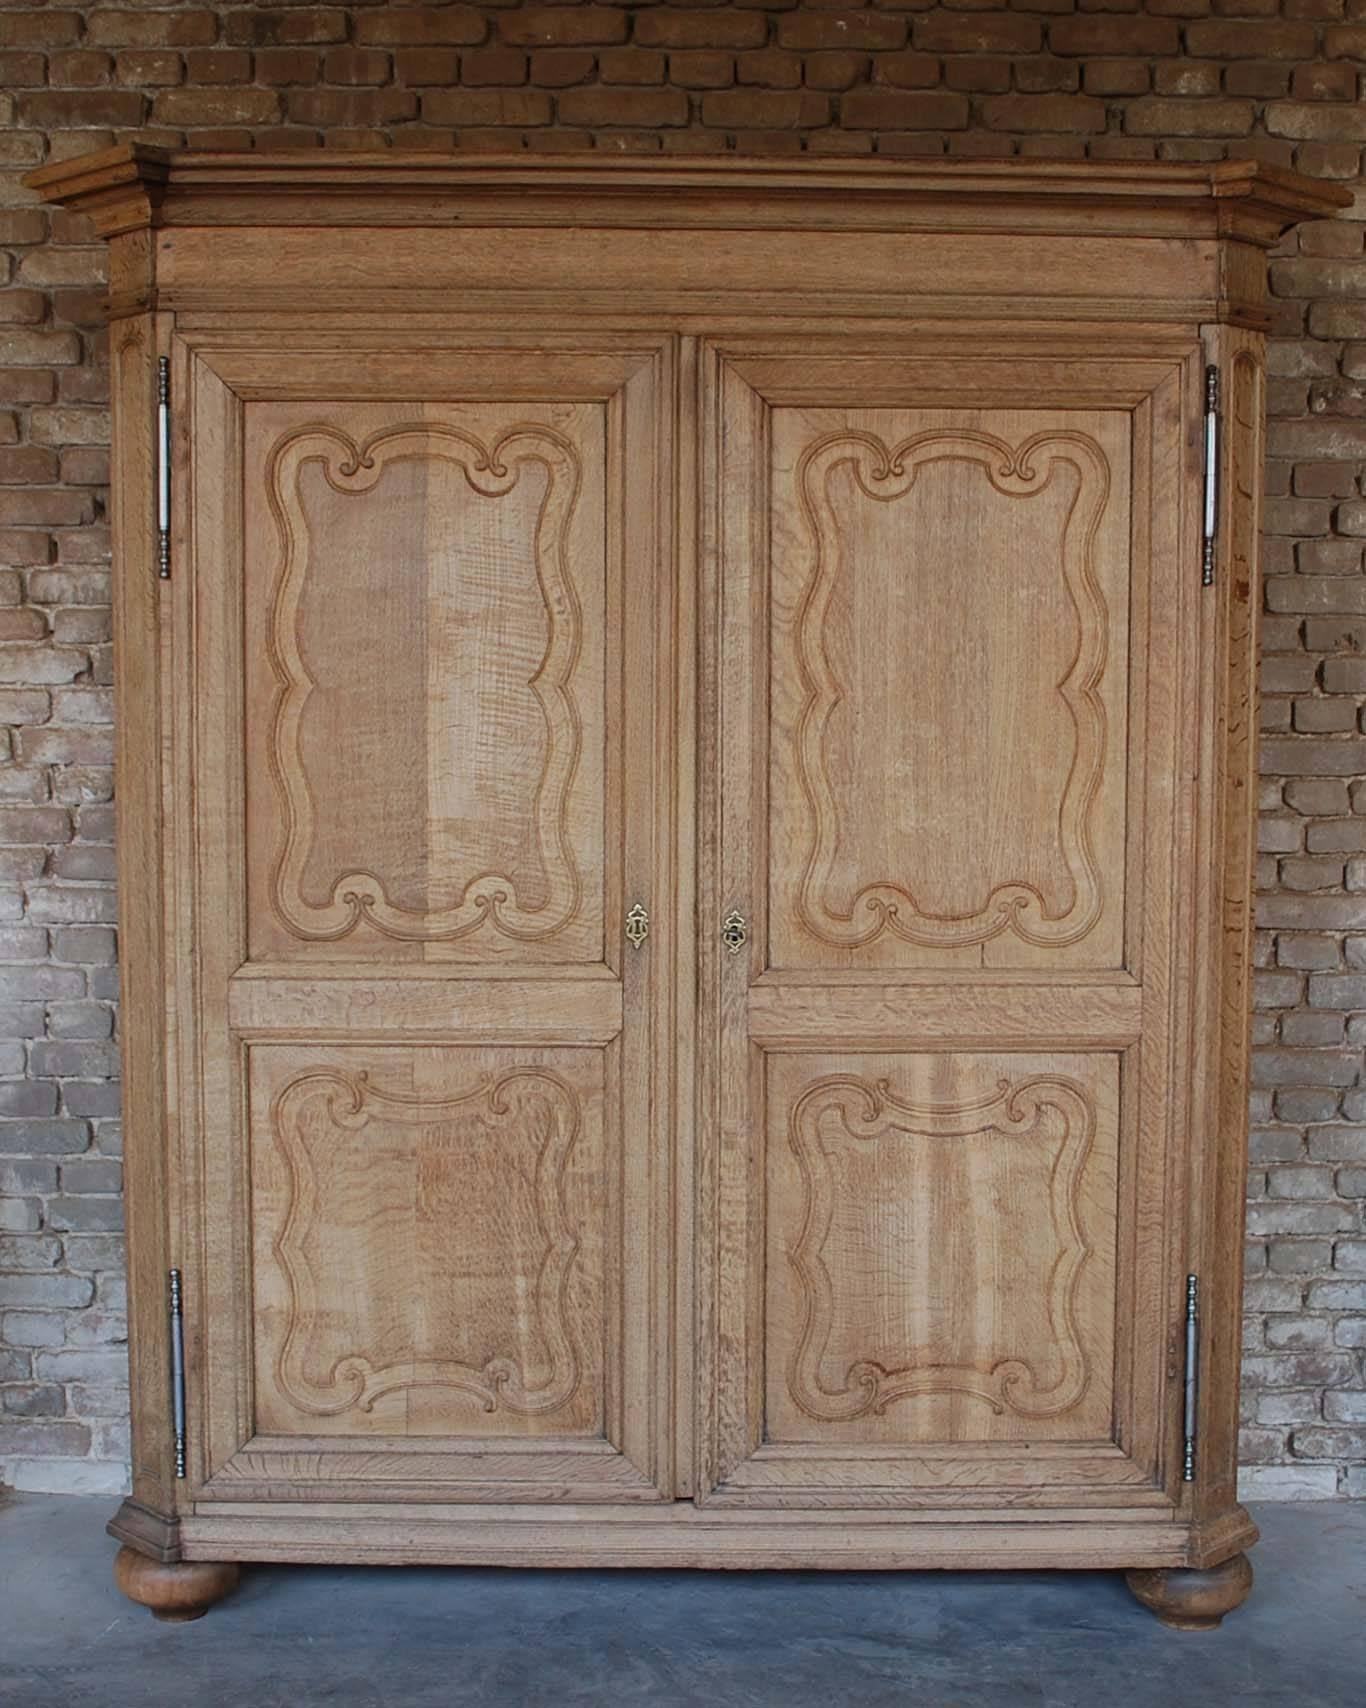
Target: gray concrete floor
366	1637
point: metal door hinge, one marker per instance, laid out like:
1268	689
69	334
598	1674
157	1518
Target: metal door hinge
177	1372
164	468
1192	1381
1210	529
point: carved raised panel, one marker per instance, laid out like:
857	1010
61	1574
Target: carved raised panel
427	773
428	1241
949	684
941	1247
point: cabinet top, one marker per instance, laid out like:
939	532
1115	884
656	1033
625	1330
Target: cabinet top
136	185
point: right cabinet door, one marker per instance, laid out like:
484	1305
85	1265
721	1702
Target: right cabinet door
951	719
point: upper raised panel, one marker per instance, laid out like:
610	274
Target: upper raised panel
949	678
427	718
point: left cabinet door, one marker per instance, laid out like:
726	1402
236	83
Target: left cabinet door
420	774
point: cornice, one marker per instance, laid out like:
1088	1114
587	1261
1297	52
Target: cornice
135	186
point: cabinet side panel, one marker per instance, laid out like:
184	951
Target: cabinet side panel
137	638
1229	809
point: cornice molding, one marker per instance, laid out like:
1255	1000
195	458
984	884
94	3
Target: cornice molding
135	185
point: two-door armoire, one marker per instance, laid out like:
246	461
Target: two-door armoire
686	739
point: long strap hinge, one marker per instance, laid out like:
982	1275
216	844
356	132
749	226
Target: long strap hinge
177	1371
1210	529
1192	1381
164	468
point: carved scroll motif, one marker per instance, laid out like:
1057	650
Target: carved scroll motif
843	1109
885	473
489	898
308	1116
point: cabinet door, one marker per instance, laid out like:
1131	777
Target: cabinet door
422	749
947	726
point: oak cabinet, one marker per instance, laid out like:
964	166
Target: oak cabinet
685	807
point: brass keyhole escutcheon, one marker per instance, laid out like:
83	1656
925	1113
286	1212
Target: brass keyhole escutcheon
734	931
637	925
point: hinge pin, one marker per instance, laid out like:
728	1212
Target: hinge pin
178	1372
164	468
1192	1385
1211	521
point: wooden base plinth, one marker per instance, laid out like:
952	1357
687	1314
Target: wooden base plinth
1190	1600
173	1593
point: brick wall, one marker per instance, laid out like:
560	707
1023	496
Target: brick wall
1113	79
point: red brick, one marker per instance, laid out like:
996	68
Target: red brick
664	27
253	27
1116	77
567	26
184	107
1263	80
57	109
27	385
24	546
149	28
560	68
1193	77
144	68
22	226
39	348
907	70
1330	237
1157	117
39	29
499	67
978	32
1109	37
79	70
977	73
611	108
1040	75
1062	113
1337	82
218	65
285	65
45	507
1345	43
22	70
1320	121
770	109
410	26
701	68
805	29
22	308
85	465
355	65
461	107
27	465
769	68
638	65
1328	160
327	108
887	109
836	70
1218	39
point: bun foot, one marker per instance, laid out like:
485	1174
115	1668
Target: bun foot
173	1593
1191	1600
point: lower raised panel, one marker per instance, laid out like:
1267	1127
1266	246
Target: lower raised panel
941	1254
429	1241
